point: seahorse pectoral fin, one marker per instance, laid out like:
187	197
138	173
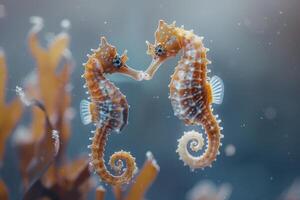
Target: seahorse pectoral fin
155	64
85	112
217	86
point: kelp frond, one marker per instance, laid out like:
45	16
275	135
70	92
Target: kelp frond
138	188
10	112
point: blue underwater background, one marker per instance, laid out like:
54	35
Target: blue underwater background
254	48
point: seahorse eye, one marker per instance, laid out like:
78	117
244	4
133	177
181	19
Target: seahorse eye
159	50
117	62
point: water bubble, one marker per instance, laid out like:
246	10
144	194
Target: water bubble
230	150
65	24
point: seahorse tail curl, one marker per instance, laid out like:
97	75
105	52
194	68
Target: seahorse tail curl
116	160
196	142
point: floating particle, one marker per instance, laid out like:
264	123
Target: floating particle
278	32
261	117
2	11
65	24
280	12
105	22
270	113
230	150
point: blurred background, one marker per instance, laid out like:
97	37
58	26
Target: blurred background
254	48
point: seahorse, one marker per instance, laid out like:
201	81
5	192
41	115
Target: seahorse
107	109
192	92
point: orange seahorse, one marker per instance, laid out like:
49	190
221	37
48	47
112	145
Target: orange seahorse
192	92
108	110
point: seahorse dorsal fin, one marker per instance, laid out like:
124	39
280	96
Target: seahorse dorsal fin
217	89
85	113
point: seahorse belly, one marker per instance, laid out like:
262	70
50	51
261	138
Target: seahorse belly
113	109
187	91
112	115
186	96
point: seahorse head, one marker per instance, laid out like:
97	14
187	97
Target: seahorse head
167	44
110	61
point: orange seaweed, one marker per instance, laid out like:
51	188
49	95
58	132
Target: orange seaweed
100	193
142	182
10	112
51	84
44	167
145	178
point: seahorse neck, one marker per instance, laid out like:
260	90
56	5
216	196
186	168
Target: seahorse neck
194	53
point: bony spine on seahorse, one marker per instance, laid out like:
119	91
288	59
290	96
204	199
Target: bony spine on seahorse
108	110
191	91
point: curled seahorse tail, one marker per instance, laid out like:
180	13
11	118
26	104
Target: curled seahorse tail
116	160
196	142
